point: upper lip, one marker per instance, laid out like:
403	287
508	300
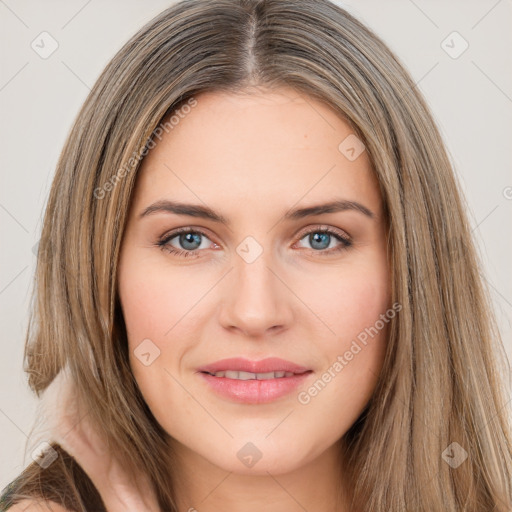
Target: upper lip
270	364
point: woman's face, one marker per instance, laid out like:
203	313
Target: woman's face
254	275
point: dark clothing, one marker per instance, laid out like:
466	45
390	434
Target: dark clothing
63	482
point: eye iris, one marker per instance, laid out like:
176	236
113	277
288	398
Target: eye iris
191	238
315	238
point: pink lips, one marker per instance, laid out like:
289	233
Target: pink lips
254	391
270	364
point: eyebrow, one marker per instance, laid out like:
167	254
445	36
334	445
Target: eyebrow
204	212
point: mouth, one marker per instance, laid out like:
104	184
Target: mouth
262	367
253	382
240	375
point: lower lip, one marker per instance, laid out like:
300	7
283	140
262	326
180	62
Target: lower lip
254	391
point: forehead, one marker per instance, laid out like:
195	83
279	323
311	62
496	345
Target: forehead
256	146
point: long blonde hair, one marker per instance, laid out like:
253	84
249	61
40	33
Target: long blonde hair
440	383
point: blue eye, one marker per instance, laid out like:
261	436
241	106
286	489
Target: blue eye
320	239
190	240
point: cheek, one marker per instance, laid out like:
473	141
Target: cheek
154	304
154	301
160	307
351	302
356	311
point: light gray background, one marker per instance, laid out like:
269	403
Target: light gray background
471	98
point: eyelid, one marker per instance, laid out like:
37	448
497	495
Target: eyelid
326	228
169	235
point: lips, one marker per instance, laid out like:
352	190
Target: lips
239	364
253	382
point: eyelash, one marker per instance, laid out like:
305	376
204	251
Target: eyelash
163	242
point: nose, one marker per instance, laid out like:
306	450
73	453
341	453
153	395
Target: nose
255	301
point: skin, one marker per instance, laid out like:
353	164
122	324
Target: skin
251	157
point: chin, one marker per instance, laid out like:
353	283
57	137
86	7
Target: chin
260	458
274	465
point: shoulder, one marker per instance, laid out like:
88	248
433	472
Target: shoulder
37	506
63	481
